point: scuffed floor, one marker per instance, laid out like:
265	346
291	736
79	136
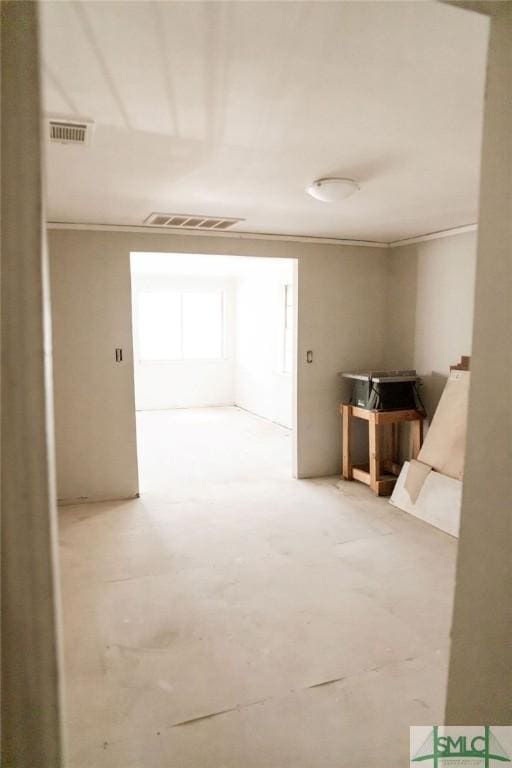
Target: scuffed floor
233	617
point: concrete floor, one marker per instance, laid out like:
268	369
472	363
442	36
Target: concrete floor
233	617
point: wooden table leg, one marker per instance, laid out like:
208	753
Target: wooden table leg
347	431
394	443
374	442
416	437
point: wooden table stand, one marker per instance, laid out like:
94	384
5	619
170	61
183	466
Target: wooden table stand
380	474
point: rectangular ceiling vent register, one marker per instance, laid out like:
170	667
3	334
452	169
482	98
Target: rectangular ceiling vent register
69	131
190	221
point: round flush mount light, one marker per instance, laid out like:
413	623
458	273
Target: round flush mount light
331	190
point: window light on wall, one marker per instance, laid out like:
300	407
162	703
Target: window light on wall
288	329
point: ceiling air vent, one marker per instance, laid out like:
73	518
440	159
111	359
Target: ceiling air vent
189	221
70	131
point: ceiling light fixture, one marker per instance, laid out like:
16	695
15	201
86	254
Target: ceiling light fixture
333	189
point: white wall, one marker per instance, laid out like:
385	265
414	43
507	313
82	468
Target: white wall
360	307
94	403
32	664
431	301
342	296
342	291
480	675
161	384
261	385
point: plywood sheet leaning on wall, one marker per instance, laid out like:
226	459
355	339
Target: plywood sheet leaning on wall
444	445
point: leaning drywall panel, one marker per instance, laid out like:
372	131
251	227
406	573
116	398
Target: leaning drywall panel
445	442
437	503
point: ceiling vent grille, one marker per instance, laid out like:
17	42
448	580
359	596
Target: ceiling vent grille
70	131
190	221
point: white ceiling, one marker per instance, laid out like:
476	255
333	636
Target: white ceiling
231	109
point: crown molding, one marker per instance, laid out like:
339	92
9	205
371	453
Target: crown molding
260	236
210	233
435	235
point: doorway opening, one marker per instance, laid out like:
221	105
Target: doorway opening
214	341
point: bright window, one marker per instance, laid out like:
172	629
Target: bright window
288	329
202	325
159	325
179	325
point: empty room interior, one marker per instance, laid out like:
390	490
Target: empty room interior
213	373
276	263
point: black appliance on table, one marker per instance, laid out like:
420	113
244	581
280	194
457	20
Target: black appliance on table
385	390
